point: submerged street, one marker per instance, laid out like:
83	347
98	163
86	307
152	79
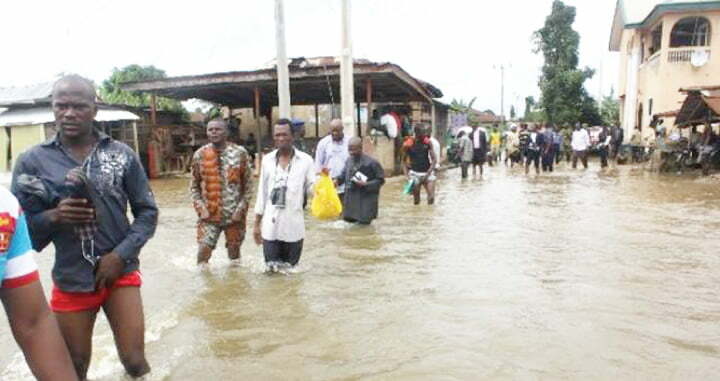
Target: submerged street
571	275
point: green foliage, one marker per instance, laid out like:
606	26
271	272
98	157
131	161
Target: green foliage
110	90
610	110
564	99
461	106
512	112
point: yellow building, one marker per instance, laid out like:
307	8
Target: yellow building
664	46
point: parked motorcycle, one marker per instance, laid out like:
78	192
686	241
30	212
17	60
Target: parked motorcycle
709	158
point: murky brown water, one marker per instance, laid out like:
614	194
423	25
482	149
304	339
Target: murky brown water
575	275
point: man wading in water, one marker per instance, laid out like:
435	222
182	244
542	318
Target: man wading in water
96	247
362	176
419	163
220	191
286	178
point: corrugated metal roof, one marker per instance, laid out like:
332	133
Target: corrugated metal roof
42	115
25	94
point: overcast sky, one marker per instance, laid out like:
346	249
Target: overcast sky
456	45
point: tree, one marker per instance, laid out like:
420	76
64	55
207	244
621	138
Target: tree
529	105
461	106
512	112
564	100
111	92
610	110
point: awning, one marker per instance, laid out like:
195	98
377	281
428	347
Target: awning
42	115
698	109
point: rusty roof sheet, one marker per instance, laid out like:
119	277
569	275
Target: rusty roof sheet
698	109
313	80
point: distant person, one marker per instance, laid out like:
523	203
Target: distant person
298	127
31	322
286	177
419	163
567	143
618	136
466	153
524	139
548	148
580	145
512	147
436	148
332	153
479	140
495	144
604	142
220	189
96	246
251	146
558	140
363	177
533	151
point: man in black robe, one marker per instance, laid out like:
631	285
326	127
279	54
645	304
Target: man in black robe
363	176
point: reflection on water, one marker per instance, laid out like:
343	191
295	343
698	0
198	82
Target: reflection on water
572	275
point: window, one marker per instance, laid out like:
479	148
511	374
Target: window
656	37
690	31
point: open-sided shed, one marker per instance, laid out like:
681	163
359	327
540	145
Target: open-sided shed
701	106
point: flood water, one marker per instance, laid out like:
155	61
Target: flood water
573	275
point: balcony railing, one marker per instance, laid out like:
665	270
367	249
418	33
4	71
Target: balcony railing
685	54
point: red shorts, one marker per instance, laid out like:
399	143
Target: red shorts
62	301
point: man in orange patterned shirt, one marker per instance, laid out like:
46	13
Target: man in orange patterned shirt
220	190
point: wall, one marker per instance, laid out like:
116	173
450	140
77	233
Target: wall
657	78
4	146
383	150
24	137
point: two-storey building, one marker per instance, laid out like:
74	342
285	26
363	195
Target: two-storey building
664	46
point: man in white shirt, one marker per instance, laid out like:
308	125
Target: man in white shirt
436	148
580	144
332	153
286	178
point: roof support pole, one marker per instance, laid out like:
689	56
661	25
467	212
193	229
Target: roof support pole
153	110
317	121
258	130
283	76
347	87
369	99
432	116
136	143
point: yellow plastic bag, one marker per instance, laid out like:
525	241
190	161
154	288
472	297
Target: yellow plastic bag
326	203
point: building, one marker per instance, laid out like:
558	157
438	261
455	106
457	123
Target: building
27	119
249	99
664	46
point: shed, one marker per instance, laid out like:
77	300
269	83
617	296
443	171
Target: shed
701	106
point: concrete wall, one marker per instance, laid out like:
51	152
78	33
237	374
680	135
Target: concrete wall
24	137
659	79
4	147
383	150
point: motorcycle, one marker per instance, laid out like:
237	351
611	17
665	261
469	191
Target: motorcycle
709	158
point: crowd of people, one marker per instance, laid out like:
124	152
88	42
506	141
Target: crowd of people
536	145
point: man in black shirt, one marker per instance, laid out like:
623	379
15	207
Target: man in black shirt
419	163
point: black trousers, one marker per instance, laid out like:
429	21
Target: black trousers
464	169
281	251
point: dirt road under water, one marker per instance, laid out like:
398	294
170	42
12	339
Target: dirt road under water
573	275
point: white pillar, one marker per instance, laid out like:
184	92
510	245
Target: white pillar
631	91
282	64
347	87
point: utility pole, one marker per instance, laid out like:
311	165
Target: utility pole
347	87
502	89
283	75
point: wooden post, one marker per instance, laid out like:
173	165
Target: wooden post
135	137
317	121
153	110
359	125
368	99
258	130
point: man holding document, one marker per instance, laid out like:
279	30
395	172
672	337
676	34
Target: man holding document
362	176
